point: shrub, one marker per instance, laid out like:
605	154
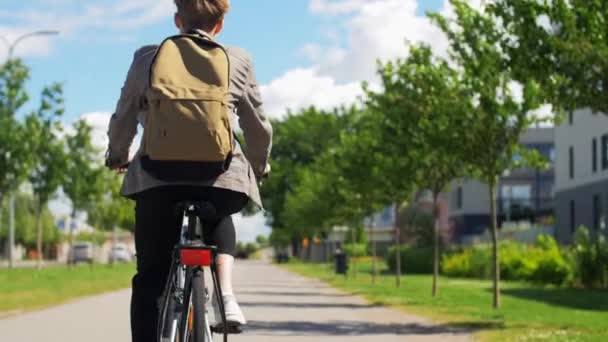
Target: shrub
542	263
414	260
458	264
516	261
474	262
590	256
355	250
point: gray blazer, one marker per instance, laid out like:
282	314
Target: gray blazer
245	105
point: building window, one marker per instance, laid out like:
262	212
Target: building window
594	155
571	162
597	212
571	118
605	152
572	216
459	198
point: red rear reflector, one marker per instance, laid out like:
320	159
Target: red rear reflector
196	257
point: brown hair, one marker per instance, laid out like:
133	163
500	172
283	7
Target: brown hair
201	14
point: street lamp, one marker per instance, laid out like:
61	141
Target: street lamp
11	51
12	45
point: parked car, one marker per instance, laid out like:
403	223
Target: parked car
120	253
81	252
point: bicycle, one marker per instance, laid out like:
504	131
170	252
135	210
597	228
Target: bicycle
183	311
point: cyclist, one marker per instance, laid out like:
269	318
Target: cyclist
156	221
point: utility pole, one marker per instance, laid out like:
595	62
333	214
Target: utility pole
11	51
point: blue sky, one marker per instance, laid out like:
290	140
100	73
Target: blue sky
91	59
306	51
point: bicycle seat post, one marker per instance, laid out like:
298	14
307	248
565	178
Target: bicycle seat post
190	210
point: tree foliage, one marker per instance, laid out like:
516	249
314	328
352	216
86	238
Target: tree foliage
299	140
26	209
112	209
562	45
83	174
15	155
47	153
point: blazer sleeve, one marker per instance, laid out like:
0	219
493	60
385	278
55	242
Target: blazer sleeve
123	123
254	123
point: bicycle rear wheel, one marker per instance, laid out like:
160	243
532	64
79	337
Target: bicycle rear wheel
195	323
169	314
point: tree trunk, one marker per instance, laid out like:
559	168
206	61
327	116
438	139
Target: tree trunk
114	243
11	232
353	256
373	240
39	236
494	231
1	212
397	247
436	214
71	237
309	250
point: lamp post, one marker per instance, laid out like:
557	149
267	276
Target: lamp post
11	51
12	45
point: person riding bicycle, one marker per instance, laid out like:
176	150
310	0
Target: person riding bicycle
156	221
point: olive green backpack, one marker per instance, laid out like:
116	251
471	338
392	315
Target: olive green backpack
187	133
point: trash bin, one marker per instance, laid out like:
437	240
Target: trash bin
341	265
281	257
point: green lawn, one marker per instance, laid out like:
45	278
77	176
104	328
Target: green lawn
29	289
528	313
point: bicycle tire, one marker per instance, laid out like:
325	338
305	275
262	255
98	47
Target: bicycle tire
198	306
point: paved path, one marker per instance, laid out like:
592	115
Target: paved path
281	307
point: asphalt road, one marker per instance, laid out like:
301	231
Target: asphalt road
280	306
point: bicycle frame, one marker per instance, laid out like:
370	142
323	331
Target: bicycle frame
189	256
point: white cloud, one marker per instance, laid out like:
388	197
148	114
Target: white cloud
371	30
333	7
301	88
99	122
81	19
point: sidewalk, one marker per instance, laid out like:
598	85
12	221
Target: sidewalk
280	306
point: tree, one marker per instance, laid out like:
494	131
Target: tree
83	182
48	152
430	92
262	241
397	157
497	117
25	223
112	210
14	141
298	140
561	44
360	171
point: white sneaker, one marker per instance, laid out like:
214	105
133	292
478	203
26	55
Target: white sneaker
234	316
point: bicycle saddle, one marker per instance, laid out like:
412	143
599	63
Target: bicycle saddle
204	210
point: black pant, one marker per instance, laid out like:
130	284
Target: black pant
157	228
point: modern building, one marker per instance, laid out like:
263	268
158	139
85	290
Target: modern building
524	194
581	189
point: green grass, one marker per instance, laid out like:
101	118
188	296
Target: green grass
29	289
528	313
